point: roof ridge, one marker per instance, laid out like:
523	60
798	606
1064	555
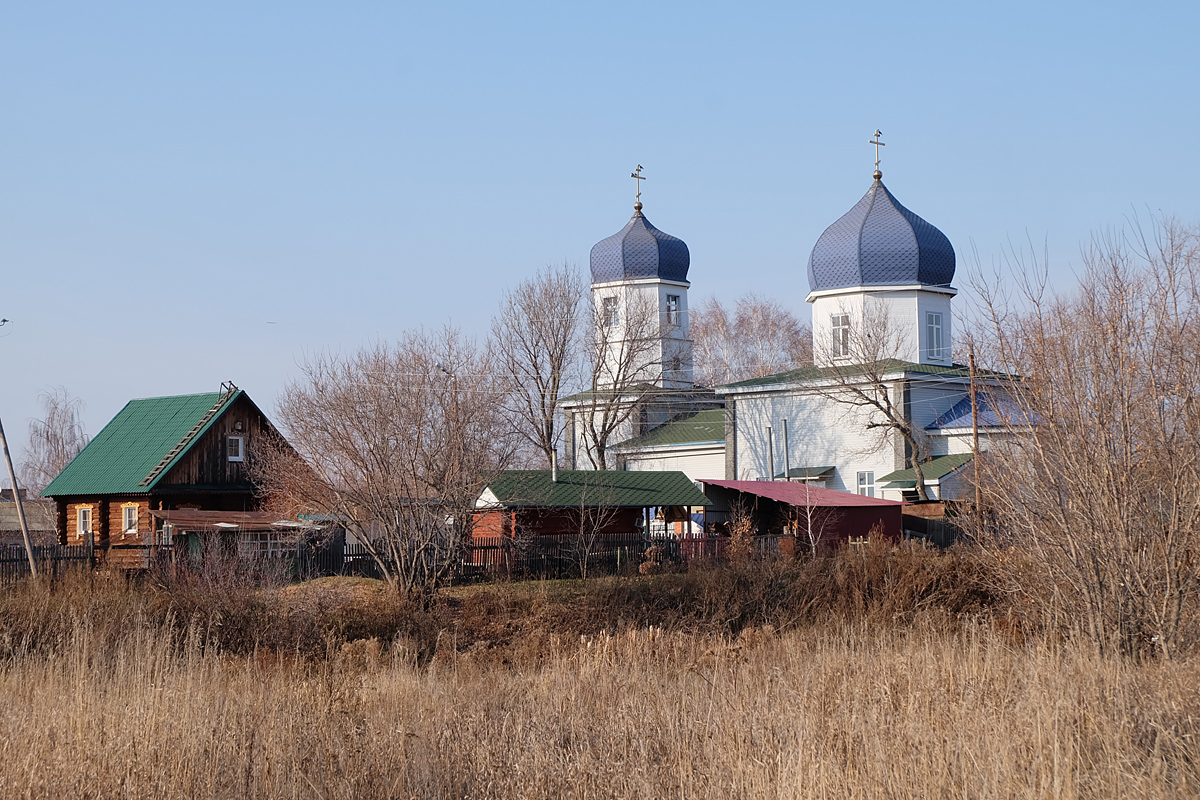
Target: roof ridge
189	438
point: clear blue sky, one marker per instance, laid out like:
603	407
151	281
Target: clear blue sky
206	194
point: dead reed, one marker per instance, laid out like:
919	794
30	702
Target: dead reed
878	674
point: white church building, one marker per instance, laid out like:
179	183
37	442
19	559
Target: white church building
880	281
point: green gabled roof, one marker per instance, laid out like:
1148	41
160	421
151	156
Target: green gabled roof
887	366
134	442
703	427
934	469
584	488
807	472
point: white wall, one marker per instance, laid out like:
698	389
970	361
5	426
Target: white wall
698	463
822	432
906	313
674	347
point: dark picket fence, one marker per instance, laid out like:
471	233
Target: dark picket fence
50	559
481	557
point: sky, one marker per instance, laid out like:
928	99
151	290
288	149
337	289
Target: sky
190	195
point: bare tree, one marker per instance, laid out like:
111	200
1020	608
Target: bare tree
625	367
537	337
54	440
862	379
596	515
396	443
760	337
1094	503
813	523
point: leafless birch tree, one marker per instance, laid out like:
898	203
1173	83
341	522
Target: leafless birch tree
759	337
54	440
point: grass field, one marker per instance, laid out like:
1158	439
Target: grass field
502	693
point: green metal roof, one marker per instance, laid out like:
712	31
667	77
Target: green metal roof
134	442
703	427
934	469
887	366
584	488
807	472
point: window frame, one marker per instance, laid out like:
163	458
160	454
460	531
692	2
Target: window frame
80	513
610	309
866	483
241	448
839	329
125	514
672	309
933	323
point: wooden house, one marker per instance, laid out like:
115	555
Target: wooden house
158	454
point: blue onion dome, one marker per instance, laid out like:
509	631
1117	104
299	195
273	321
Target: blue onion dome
640	250
880	243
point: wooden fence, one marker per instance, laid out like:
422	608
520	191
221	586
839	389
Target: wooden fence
51	559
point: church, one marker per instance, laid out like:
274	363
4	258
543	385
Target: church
883	411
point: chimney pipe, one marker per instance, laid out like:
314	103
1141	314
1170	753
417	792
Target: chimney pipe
554	467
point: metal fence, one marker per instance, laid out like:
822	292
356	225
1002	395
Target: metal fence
50	559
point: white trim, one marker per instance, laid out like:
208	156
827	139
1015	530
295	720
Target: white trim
241	448
912	287
641	282
125	526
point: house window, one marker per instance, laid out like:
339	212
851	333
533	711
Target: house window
840	324
83	520
866	484
933	335
237	448
261	543
611	308
672	309
129	519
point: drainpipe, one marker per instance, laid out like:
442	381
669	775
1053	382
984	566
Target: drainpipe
787	459
770	455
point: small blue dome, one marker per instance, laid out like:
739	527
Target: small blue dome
640	250
880	243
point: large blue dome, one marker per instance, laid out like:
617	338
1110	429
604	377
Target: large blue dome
880	243
640	250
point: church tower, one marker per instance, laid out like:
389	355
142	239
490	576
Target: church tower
881	271
639	295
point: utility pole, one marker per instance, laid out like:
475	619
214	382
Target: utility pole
12	476
975	434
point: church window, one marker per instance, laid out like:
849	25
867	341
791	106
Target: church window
933	335
237	448
611	308
672	309
866	484
840	324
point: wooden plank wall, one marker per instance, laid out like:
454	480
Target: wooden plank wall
207	462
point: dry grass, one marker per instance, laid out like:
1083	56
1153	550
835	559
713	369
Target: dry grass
508	701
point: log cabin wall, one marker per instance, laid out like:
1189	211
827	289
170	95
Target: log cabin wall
207	461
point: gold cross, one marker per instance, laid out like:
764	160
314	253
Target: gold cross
637	176
878	144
